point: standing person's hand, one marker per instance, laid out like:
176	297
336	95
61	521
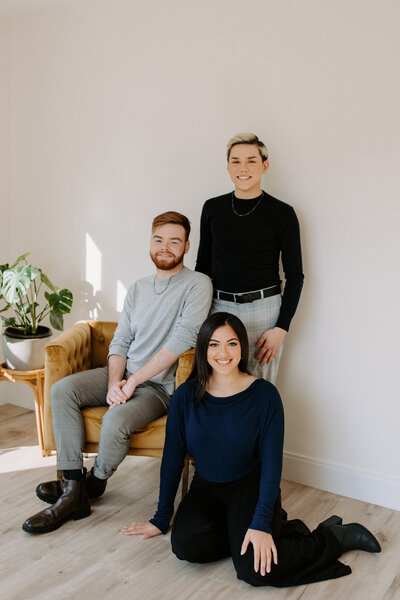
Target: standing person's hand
269	344
145	529
264	549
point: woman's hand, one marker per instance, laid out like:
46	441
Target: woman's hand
146	530
269	344
263	547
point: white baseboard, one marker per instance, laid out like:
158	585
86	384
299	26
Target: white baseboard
342	479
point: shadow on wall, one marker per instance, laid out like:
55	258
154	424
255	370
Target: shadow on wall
92	304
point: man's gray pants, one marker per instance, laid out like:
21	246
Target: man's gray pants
89	388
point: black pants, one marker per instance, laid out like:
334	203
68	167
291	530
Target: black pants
212	520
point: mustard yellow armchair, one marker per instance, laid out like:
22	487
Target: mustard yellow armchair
85	346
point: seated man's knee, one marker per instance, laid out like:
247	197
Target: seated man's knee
116	421
59	392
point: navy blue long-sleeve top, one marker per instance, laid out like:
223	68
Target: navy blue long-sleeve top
228	438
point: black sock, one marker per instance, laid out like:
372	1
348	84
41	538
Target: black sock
75	474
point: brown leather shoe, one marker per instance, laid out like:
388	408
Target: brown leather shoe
50	491
72	504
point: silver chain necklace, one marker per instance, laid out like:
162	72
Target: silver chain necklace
164	288
250	211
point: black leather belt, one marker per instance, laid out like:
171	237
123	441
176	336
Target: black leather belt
248	296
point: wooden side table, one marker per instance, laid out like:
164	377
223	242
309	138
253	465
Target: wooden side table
35	380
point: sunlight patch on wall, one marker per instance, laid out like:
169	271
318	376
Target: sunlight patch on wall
93	269
121	293
93	264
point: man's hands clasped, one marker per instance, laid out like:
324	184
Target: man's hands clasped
120	392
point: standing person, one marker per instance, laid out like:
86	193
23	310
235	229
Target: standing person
232	425
159	321
243	234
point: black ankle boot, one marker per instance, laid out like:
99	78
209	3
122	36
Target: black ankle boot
333	520
353	537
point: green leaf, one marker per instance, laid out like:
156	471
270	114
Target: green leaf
57	321
33	271
16	282
26	307
50	285
60	303
4	267
10	322
20	258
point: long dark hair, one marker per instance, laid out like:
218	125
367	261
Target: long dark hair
201	369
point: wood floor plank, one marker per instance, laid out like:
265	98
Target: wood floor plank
91	558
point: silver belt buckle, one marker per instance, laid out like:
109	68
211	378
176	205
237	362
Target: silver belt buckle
234	298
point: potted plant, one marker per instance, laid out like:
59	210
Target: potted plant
23	338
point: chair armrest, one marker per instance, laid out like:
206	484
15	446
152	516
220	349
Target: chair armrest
69	353
102	333
185	365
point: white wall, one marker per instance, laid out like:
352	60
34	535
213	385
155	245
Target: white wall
4	137
4	144
121	109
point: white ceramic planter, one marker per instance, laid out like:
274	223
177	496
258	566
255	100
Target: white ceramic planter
25	353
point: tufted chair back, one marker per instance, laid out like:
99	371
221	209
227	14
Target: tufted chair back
85	346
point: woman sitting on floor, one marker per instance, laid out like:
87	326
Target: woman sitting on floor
232	425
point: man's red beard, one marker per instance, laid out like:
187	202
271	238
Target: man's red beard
166	264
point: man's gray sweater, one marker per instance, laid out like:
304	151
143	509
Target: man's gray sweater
161	314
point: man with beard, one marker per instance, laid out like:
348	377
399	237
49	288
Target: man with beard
159	321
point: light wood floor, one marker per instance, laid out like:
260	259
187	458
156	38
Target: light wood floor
92	560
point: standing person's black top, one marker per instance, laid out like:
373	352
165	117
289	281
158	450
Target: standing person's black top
241	253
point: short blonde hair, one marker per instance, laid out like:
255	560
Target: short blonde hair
247	138
174	218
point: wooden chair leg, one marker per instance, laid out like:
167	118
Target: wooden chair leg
185	477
